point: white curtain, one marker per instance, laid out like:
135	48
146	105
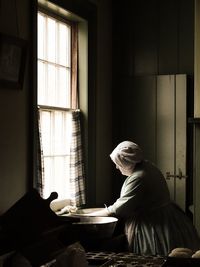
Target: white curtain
62	171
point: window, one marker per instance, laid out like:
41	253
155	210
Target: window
57	101
54	62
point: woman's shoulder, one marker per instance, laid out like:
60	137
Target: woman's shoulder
145	165
147	168
142	167
138	172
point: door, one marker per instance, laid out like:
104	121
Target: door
171	133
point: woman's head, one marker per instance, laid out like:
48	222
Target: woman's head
126	155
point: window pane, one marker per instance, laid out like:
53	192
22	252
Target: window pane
56	135
51	40
41	36
59	140
46	132
64	45
56	131
67	133
56	176
63	92
41	83
51	85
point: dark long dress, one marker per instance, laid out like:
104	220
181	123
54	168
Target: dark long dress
153	224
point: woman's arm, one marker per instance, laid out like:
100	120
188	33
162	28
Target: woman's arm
131	198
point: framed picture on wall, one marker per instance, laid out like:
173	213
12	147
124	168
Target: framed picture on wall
13	52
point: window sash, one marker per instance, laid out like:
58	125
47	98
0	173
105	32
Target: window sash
53	85
54	36
63	73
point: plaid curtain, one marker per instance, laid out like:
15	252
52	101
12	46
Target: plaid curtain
77	175
40	160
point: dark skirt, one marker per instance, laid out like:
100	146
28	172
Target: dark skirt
160	231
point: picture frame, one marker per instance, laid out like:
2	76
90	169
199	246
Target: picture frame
13	52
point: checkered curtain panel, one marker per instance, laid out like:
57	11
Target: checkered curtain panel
76	164
77	174
40	160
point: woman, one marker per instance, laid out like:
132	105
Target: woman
153	224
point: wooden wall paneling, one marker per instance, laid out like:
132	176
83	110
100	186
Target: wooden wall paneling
196	185
186	37
165	128
122	38
197	61
167	38
180	139
190	142
145	20
196	176
142	114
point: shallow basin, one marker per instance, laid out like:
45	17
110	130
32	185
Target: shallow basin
96	227
93	227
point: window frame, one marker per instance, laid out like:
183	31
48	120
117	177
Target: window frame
72	90
86	15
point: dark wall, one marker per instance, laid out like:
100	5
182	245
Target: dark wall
15	142
153	37
149	38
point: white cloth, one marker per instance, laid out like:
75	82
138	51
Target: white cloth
58	204
126	155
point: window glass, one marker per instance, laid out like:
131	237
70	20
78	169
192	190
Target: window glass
54	97
54	62
41	36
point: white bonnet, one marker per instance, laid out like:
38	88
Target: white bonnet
127	154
